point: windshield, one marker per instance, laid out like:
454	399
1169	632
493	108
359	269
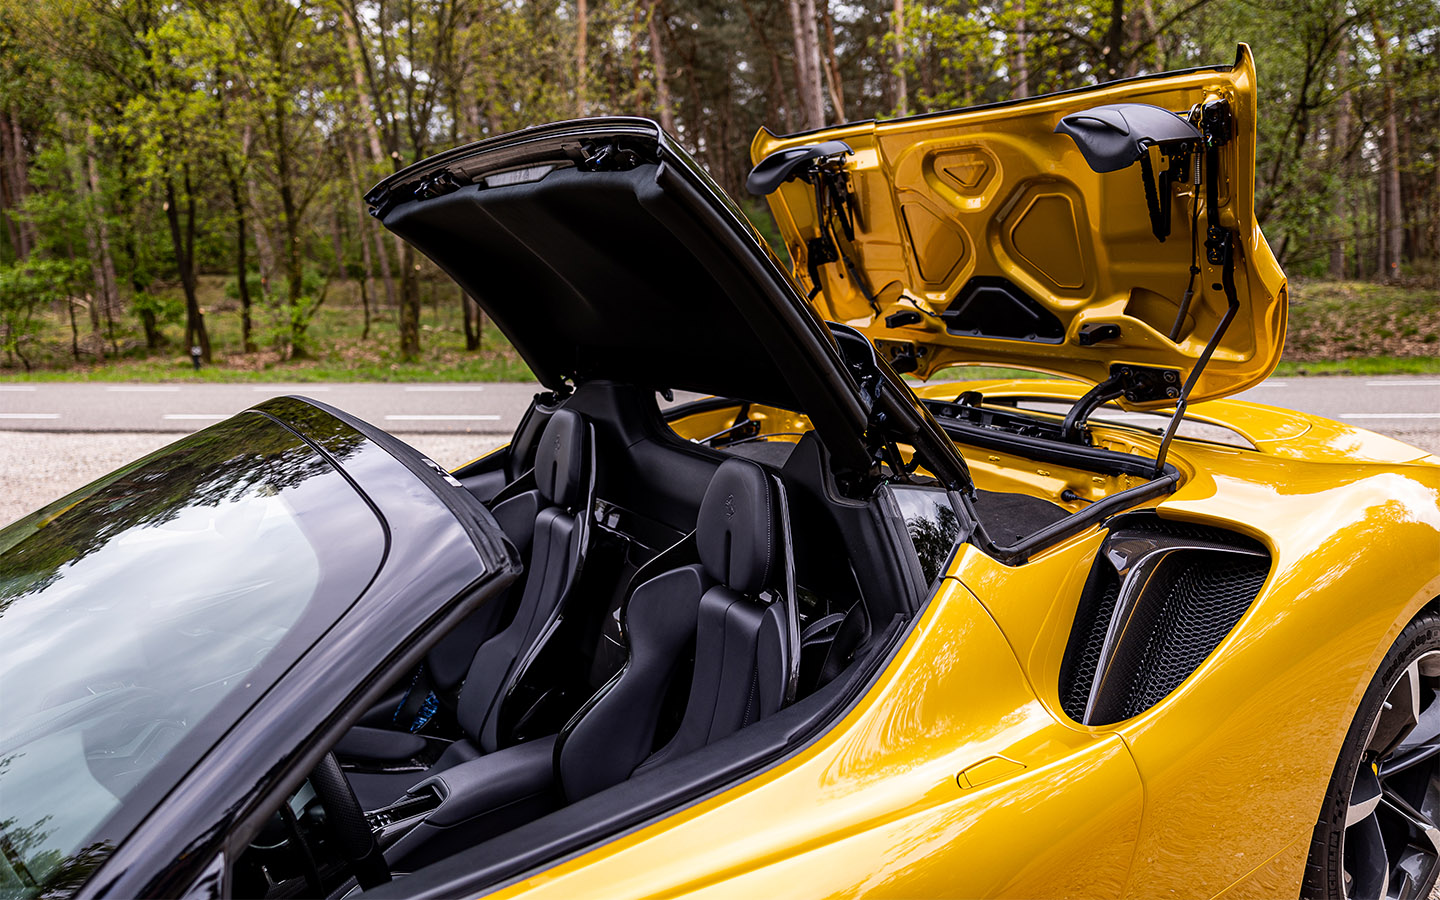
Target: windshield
142	615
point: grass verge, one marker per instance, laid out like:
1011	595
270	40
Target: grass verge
1335	328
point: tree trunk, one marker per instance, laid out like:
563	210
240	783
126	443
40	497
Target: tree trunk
807	63
898	82
1382	231
1389	165
74	328
368	112
473	324
195	334
1435	227
338	268
409	306
242	265
1020	82
9	202
111	288
365	259
582	38
264	247
80	184
365	278
1110	53
1340	163
138	285
70	308
779	97
19	183
1358	215
657	59
833	82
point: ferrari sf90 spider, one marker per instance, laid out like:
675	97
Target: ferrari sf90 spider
808	629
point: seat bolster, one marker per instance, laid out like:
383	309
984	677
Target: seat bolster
772	660
494	666
616	731
722	690
451	657
516	517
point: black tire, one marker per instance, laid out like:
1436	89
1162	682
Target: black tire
1379	828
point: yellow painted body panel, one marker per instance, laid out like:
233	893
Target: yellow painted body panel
874	807
958	773
994	192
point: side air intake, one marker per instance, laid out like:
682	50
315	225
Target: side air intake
1160	598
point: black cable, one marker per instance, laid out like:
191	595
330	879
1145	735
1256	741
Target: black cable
1184	309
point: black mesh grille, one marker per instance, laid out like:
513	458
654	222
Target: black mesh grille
1082	655
1205	594
1189	605
1187	611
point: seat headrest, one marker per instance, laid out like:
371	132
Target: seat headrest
562	459
738	530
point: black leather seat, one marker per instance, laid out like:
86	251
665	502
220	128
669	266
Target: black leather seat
736	607
549	525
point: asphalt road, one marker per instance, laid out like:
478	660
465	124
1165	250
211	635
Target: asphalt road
133	408
55	438
1405	406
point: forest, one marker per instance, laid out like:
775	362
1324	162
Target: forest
165	164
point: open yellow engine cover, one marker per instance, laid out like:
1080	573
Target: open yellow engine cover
962	210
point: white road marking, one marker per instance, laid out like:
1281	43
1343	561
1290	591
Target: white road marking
287	388
17	387
1420	383
193	416
444	388
1428	415
142	389
29	415
1272	384
443	418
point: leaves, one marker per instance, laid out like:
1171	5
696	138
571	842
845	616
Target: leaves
272	117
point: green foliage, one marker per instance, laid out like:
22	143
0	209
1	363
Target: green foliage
167	309
253	282
266	120
757	211
26	288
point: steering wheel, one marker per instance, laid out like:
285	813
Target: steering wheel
342	810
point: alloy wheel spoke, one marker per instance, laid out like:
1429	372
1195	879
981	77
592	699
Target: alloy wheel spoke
1411	872
1416	820
1392	820
1408	756
1364	796
1366	861
1422	743
1398	714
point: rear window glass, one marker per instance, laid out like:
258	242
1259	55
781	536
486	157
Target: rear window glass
932	525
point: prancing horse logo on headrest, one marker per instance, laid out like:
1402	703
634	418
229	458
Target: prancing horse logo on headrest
729	506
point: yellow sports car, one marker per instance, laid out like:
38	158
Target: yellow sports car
809	629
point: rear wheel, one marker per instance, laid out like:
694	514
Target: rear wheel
1379	829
